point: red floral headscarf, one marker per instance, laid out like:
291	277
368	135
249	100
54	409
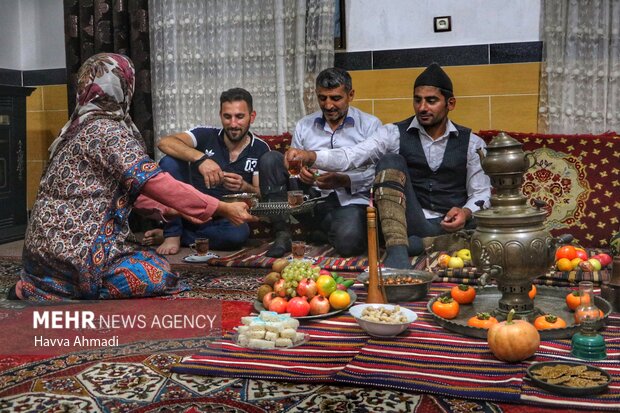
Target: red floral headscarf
104	90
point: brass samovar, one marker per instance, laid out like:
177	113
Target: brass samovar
511	243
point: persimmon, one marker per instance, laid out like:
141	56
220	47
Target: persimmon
573	299
482	320
532	292
463	294
446	307
548	321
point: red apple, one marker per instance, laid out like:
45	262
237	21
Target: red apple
267	299
319	305
604	259
280	288
341	287
278	305
324	272
307	288
581	253
298	307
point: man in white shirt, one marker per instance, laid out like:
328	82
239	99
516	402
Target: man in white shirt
341	219
429	176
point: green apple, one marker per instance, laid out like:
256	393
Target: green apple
596	264
464	254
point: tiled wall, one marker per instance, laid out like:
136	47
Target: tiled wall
46	113
496	86
502	96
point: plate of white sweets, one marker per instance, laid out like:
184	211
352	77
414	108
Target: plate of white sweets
269	331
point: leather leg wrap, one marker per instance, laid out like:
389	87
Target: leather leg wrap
392	206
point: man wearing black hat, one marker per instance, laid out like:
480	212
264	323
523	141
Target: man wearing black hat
428	174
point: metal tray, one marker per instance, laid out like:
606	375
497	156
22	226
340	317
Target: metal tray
548	300
278	208
566	390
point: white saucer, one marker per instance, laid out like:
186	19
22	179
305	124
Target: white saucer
312	260
200	258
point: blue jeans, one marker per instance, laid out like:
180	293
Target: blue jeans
345	226
222	234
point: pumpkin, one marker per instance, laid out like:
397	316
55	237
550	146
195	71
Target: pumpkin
513	340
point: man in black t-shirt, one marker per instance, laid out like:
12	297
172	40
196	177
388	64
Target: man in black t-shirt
216	161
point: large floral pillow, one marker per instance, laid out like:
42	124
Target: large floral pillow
578	176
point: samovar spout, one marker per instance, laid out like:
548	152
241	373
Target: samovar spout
563	239
488	271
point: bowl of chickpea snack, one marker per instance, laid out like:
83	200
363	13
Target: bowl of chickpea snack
383	320
403	285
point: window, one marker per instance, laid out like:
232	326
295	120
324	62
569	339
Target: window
339	26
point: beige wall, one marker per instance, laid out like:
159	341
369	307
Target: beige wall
502	96
46	113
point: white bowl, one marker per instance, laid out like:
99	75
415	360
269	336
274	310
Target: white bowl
377	329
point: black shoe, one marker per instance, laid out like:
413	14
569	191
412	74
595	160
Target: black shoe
12	294
316	237
281	245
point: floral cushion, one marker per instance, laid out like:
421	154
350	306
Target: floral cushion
578	176
278	143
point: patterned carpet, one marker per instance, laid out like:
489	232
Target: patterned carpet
136	377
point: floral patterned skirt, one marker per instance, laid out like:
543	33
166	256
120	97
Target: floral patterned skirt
140	274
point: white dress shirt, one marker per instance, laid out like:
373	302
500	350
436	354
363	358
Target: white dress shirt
313	133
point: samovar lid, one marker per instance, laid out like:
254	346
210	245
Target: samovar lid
502	140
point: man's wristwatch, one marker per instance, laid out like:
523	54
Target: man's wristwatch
200	160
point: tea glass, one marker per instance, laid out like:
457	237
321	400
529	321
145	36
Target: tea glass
200	246
298	250
296	198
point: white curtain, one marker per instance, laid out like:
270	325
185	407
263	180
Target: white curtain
580	78
272	48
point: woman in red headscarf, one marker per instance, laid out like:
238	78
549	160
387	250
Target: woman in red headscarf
76	244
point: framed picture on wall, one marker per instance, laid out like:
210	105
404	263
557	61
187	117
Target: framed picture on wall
339	26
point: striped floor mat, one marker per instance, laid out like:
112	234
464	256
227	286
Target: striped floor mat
470	275
427	359
323	256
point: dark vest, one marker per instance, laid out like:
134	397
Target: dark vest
446	187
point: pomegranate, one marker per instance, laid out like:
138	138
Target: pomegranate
280	288
307	288
267	299
278	305
324	272
298	307
319	305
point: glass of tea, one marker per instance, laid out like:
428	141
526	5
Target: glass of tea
298	250
201	246
294	168
296	198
